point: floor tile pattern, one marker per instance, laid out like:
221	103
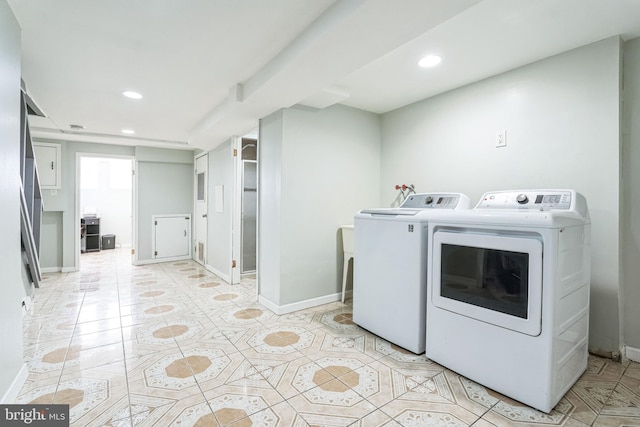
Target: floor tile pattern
172	344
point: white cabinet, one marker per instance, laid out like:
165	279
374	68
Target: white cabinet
171	236
48	161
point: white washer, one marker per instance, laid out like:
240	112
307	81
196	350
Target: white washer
508	293
389	279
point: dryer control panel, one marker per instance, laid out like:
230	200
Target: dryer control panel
435	201
527	200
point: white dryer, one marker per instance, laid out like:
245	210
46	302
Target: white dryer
508	293
389	279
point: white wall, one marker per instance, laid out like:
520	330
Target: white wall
106	189
269	205
219	225
156	189
630	297
163	189
51	241
562	121
316	169
11	284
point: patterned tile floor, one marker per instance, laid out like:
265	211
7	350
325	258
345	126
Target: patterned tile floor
173	345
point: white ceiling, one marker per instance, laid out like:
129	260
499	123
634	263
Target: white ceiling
210	69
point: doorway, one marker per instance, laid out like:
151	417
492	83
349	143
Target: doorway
200	210
249	204
104	210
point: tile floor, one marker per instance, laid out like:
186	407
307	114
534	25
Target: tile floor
173	345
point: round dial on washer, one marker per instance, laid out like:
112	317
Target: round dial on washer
429	200
522	199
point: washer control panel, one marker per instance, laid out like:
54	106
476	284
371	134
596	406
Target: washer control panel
527	199
432	201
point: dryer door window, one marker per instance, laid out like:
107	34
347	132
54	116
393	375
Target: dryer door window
499	279
495	279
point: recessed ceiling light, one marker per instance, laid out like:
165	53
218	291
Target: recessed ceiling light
429	61
128	131
131	94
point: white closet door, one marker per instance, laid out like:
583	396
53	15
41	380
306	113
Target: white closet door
172	235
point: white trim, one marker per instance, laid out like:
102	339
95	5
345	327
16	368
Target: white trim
134	213
26	305
219	273
160	260
236	210
76	245
194	226
632	353
299	305
51	269
69	269
12	392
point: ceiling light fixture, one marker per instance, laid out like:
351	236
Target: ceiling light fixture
128	131
429	61
131	94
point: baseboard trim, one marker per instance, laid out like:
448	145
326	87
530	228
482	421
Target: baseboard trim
159	260
632	353
218	273
18	382
299	305
51	269
68	270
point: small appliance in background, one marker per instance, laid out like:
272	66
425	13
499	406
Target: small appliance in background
108	241
390	260
508	293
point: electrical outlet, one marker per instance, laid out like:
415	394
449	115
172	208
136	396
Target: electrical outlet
501	140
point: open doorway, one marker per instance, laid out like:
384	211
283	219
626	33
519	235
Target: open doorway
105	204
249	202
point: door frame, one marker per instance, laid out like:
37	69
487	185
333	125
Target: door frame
194	224
134	207
241	210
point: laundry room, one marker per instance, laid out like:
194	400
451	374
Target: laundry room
492	195
448	143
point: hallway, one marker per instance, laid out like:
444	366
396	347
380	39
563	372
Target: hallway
172	344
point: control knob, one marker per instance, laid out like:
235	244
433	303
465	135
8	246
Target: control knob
429	200
522	199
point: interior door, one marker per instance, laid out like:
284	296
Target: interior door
249	217
200	185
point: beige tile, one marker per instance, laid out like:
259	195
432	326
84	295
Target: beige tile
190	411
633	370
232	403
133	410
417	413
614	421
625	400
508	412
470	395
377	419
483	423
291	377
320	407
171	343
601	369
98	339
